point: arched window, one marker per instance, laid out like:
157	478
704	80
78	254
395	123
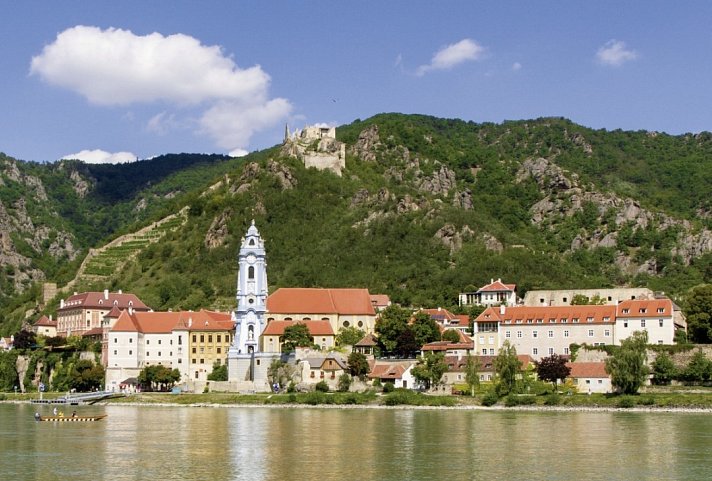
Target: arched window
252	242
251	272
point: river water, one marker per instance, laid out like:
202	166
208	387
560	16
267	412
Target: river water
243	443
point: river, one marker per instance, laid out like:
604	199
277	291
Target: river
244	443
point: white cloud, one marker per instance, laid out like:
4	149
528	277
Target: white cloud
117	67
231	124
615	53
98	156
448	57
238	153
516	66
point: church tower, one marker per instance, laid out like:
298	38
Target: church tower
251	296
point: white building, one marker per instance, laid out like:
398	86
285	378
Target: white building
493	294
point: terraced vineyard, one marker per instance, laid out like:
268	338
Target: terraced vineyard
105	261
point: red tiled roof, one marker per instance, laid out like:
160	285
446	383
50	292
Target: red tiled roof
387	371
114	313
645	308
511	315
380	300
368	341
97	331
447	345
587	369
497	285
45	321
320	301
165	322
97	300
439	314
316	328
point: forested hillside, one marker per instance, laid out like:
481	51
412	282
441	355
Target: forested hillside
425	208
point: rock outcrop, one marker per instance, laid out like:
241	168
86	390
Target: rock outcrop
218	231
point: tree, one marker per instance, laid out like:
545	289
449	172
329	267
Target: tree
698	370
344	382
159	377
552	369
627	366
358	364
24	339
430	369
296	335
506	368
472	373
425	329
450	335
407	346
664	370
583	300
699	314
349	336
87	376
391	323
219	372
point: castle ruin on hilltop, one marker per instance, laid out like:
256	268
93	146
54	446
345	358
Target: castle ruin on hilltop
317	147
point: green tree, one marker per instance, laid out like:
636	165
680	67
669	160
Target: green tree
507	367
158	377
87	376
358	364
349	336
450	335
391	323
430	369
627	366
664	370
296	335
552	369
583	300
407	346
425	329
24	339
698	370
472	373
219	372
344	382
698	309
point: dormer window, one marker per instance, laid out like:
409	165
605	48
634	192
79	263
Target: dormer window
626	311
661	310
589	319
642	310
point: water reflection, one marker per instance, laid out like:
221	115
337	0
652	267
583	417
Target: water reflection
238	443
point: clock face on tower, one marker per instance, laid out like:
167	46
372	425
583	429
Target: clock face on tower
251	258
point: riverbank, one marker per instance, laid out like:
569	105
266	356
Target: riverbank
695	402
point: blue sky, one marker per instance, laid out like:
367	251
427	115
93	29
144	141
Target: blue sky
107	81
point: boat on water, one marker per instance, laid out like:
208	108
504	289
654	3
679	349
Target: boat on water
69	419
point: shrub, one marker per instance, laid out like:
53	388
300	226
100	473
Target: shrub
626	402
490	398
292	398
388	387
316	397
515	400
344	382
376	382
400	396
552	399
292	388
646	401
322	386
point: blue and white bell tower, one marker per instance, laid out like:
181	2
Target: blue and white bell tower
249	316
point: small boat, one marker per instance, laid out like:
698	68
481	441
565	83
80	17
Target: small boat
69	419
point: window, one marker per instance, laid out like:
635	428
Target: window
566	333
661	310
491	339
535	351
564	320
360	323
116	339
535	334
660	322
551	333
159	353
195	338
507	334
130	352
642	323
590	333
482	377
148	354
148	342
219	351
552	321
202	361
130	340
159	341
194	350
626	311
540	321
482	339
219	338
551	351
180	340
642	310
484	352
589	319
210	338
193	360
115	352
565	300
251	272
625	324
566	350
519	334
202	338
607	333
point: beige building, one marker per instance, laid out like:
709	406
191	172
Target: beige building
563	297
493	294
85	311
341	307
321	332
45	326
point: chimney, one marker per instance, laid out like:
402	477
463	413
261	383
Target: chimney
502	309
106	294
120	291
440	309
50	317
61	303
491	281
